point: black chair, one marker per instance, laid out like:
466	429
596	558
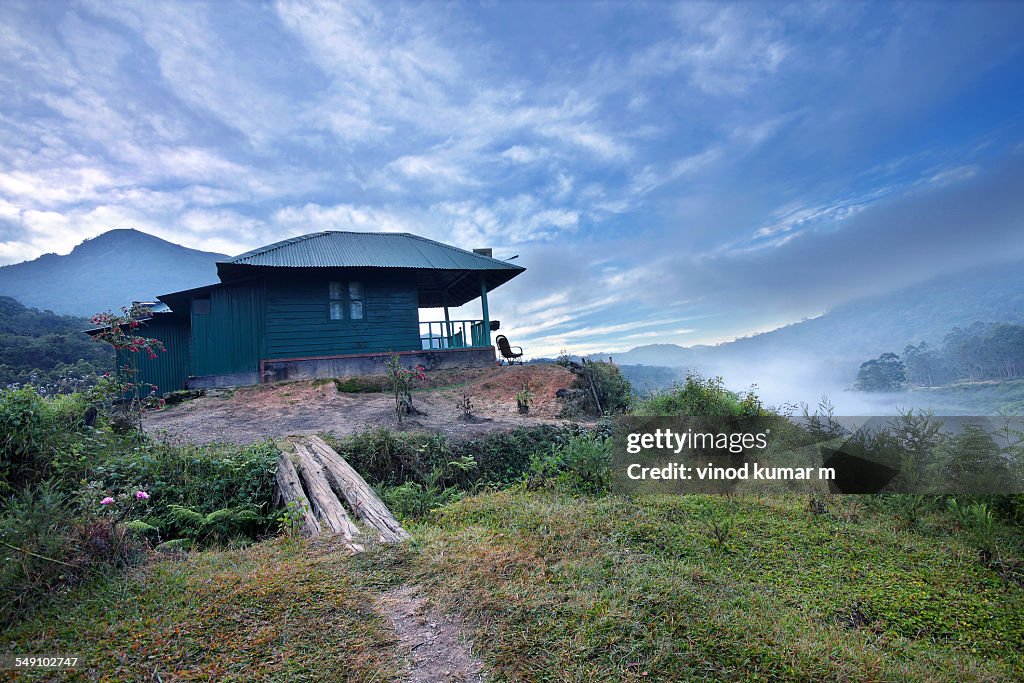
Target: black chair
506	350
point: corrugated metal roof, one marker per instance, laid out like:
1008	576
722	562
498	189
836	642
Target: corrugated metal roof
445	275
337	249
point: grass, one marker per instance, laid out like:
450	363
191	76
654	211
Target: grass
987	398
562	588
608	589
271	612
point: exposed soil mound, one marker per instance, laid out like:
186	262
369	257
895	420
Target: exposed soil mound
273	411
495	390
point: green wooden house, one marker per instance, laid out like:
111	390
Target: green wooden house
327	304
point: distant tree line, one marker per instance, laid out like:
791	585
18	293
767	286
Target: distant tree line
983	351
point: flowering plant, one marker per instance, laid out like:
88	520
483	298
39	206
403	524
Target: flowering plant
123	504
402	380
121	388
118	331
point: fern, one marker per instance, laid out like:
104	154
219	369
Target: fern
187	517
219	525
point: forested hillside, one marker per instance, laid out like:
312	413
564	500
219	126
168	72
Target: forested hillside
46	349
846	336
981	352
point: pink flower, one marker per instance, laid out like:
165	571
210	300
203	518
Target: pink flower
141	495
107	501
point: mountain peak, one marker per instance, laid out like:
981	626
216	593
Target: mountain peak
124	236
108	271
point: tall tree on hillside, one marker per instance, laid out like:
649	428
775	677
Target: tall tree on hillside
963	352
885	373
922	364
1006	343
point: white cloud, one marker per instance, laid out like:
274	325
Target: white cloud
523	218
727	131
201	69
314	217
729	48
392	77
434	171
522	154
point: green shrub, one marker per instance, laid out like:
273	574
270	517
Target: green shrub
386	457
909	508
580	465
23	432
66	412
34	433
588	463
718	525
1010	508
972	461
359	385
47	543
55	473
700	396
31	530
204	479
389	459
413	500
599	388
503	457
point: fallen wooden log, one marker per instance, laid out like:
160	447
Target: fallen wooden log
326	505
361	498
289	489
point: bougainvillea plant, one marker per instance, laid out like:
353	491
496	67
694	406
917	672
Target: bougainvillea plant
120	391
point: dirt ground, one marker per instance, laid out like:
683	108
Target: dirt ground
432	642
274	411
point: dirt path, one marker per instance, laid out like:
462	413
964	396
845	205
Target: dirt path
432	642
252	414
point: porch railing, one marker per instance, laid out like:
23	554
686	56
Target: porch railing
454	334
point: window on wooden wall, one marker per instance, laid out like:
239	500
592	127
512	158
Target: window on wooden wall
355	300
339	297
336	304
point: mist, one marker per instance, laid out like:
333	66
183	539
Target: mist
790	384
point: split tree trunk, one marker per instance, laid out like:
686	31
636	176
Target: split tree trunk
363	501
326	505
289	489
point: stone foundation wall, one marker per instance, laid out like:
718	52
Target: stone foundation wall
348	366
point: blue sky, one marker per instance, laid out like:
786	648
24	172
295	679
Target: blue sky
667	173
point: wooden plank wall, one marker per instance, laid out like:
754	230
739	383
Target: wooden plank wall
169	370
298	323
229	339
